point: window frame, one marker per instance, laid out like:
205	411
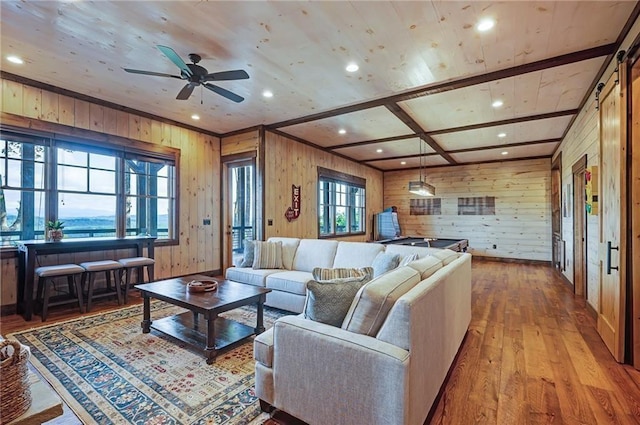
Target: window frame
328	208
118	147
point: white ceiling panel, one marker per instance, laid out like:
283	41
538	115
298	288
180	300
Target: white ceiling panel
529	151
552	90
413	162
374	123
529	131
412	146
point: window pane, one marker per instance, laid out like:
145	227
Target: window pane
102	161
72	178
87	215
341	208
72	157
102	181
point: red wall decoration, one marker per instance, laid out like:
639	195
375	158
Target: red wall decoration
293	211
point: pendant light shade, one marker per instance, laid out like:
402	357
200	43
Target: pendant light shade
421	188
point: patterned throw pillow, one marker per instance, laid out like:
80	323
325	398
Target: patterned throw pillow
384	262
267	255
320	273
329	301
247	256
407	259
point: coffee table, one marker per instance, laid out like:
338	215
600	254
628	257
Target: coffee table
201	326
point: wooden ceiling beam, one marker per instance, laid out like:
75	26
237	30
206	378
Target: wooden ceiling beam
415	127
373	141
569	58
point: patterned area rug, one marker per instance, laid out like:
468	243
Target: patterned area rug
109	372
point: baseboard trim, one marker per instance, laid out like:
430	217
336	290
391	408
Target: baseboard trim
8	310
592	311
510	260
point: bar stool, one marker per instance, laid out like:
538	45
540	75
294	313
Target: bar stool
91	268
46	279
138	263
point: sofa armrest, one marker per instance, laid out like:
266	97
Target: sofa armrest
324	374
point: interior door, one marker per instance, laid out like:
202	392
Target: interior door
579	229
635	209
611	314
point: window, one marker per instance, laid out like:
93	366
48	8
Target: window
341	204
94	190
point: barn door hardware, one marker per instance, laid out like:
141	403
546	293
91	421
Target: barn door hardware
609	248
598	90
619	59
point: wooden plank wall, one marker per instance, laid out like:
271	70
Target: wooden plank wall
521	226
240	143
199	245
582	139
288	163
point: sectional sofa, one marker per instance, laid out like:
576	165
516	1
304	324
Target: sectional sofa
387	361
301	256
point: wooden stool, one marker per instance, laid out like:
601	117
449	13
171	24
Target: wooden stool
91	268
46	275
138	263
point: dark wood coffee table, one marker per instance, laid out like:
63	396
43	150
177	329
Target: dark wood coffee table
201	326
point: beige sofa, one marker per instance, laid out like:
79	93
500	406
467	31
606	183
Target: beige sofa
301	256
386	370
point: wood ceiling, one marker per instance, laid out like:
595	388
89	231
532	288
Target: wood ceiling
426	81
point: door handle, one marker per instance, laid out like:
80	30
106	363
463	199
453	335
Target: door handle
609	248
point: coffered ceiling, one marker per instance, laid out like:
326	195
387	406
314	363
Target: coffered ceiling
426	81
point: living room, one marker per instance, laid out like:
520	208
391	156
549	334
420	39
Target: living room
286	152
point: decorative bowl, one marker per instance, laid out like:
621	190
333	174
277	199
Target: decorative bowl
202	286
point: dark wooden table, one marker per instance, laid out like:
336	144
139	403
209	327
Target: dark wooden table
201	326
29	250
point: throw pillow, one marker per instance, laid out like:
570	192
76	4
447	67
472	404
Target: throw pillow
247	256
384	262
408	259
267	255
320	273
329	301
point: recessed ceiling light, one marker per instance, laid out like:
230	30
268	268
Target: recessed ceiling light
342	131
501	135
485	24
379	150
15	59
497	103
195	117
267	93
403	162
352	67
504	152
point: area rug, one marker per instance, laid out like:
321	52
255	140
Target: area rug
109	372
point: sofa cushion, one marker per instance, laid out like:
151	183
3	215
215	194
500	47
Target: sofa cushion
328	301
247	256
327	274
267	255
263	348
373	301
356	254
289	246
426	266
314	253
249	276
384	262
446	255
289	281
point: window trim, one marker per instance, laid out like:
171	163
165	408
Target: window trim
328	175
101	143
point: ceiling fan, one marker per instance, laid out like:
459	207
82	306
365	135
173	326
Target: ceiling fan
197	75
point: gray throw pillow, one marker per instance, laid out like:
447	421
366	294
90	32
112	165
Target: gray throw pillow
247	256
329	301
384	262
320	273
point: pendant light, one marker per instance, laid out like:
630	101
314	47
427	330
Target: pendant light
421	188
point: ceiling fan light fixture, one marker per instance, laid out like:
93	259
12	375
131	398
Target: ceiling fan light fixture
421	188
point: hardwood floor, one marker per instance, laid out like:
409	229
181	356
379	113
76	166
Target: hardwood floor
532	355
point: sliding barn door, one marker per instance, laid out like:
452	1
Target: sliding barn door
634	244
612	193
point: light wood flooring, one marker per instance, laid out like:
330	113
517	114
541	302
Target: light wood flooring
532	356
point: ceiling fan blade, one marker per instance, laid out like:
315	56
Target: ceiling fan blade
185	92
173	56
224	92
238	74
157	74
